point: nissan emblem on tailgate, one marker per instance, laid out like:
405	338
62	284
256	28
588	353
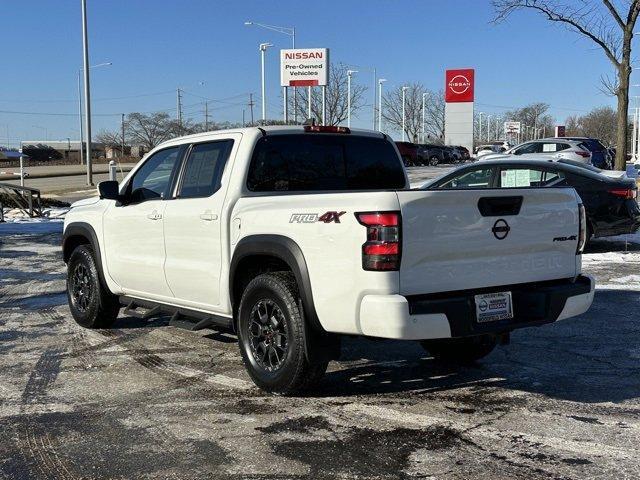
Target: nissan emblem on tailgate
500	229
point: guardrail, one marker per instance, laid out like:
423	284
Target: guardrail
22	198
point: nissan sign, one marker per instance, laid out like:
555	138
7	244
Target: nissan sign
304	67
459	85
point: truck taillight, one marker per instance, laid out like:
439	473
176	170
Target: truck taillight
381	251
582	229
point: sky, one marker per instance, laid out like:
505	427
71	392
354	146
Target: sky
203	47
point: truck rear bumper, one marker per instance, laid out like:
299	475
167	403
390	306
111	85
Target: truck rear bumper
453	314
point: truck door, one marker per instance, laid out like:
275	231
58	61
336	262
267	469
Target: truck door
194	228
133	236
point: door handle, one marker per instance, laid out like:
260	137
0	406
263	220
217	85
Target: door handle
154	215
208	216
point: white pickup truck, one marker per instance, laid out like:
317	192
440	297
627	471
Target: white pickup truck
295	236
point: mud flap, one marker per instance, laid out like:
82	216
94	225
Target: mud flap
319	346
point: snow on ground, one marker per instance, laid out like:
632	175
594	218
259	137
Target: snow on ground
17	222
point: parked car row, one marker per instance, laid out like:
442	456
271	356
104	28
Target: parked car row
589	151
415	155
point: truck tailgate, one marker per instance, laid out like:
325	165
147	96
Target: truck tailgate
466	239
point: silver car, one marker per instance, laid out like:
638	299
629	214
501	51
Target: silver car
547	148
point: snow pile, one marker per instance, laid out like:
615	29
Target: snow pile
52	213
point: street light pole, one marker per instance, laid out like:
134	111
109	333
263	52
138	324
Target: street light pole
87	91
263	49
480	114
80	119
81	129
290	31
404	89
349	74
380	82
489	117
424	95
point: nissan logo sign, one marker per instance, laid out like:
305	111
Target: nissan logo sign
459	84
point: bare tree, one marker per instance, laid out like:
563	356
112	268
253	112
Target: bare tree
534	115
598	123
336	97
392	111
604	24
109	138
150	130
434	115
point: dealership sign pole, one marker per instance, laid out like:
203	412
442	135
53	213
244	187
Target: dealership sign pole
305	67
458	111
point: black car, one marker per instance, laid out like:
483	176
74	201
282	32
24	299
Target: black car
600	155
610	200
432	154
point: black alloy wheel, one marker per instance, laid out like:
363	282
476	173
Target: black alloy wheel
268	335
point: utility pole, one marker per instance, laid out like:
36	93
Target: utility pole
206	116
87	90
122	125
480	126
489	126
251	107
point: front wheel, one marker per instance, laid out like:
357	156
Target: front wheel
91	303
460	350
271	335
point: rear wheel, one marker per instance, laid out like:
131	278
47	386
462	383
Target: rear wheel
271	335
461	350
433	161
91	303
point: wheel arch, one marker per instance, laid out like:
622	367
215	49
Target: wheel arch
82	233
280	250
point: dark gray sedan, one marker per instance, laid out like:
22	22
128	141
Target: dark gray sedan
609	197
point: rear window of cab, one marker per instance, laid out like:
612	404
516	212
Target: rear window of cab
313	162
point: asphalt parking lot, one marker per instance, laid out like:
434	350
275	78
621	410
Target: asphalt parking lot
147	400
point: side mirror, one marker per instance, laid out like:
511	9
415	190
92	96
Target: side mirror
109	190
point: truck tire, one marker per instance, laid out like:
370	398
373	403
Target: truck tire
271	335
461	350
91	303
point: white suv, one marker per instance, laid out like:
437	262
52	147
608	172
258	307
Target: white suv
294	236
548	148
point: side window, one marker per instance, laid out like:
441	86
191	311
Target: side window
153	179
520	177
480	178
203	169
533	147
562	146
553	179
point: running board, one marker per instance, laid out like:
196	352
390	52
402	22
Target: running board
180	317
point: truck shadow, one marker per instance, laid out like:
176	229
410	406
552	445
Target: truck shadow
591	358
